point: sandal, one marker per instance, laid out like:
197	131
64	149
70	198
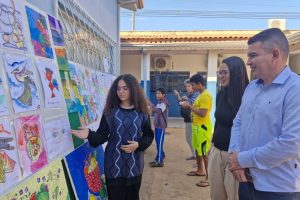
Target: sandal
203	183
194	173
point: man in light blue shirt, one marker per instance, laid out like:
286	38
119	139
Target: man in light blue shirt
265	137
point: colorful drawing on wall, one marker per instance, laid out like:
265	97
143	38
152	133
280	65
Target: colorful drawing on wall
101	87
106	64
21	82
81	82
73	73
39	33
72	98
11	25
49	77
56	31
74	105
85	166
90	107
76	91
94	80
58	138
3	104
62	59
96	104
9	161
88	80
31	148
49	183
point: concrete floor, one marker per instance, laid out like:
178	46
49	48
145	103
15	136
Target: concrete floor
171	181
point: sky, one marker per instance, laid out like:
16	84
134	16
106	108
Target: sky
193	15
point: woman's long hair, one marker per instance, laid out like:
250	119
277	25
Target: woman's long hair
238	81
137	97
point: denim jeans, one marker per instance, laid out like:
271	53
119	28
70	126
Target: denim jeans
248	192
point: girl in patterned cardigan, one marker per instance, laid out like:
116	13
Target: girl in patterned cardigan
125	126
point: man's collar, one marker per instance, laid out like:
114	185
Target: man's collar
280	78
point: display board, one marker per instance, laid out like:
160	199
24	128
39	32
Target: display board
42	97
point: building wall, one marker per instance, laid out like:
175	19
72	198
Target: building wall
105	13
294	62
131	64
192	63
48	6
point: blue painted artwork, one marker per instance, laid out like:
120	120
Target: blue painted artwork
57	31
39	33
21	82
85	166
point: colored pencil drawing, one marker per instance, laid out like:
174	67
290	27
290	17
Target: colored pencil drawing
100	93
11	25
30	144
91	108
105	64
21	82
58	137
62	60
39	33
56	31
85	167
49	77
9	162
81	79
73	73
48	183
3	104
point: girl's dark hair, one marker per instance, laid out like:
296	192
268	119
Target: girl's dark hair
137	97
238	81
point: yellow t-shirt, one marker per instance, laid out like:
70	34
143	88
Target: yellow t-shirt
203	101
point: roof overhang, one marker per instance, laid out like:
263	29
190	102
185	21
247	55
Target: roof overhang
191	40
294	38
294	41
185	40
218	45
131	4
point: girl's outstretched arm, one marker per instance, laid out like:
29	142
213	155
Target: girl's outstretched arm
94	138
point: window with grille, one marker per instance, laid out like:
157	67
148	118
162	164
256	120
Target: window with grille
169	80
86	43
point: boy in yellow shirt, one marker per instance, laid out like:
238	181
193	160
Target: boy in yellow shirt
201	126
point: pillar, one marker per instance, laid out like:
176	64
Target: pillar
145	72
212	67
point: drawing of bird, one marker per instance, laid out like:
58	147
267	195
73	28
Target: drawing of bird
23	76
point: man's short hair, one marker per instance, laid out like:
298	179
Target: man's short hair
187	81
272	38
197	78
162	90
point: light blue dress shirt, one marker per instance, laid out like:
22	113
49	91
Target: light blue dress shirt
266	132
